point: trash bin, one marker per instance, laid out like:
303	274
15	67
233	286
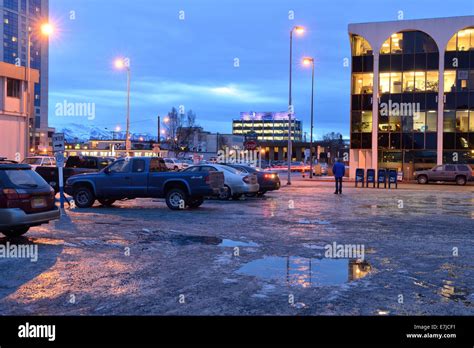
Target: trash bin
392	178
359	176
382	178
370	177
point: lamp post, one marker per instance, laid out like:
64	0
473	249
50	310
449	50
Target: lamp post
46	30
124	63
298	30
307	61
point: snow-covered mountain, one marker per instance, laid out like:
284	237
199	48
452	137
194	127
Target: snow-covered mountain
82	132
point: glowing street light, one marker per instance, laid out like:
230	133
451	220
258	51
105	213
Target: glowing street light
46	30
307	61
121	64
298	30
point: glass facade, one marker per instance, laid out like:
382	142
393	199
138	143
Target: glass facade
408	100
458	117
18	17
361	93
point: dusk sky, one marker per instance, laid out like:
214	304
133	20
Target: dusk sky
190	62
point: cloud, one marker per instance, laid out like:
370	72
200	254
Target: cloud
168	93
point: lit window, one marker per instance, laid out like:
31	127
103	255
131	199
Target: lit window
420	81
395	82
408	81
432	81
384	82
462	118
449	81
362	83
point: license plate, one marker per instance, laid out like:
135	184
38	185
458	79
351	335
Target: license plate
38	202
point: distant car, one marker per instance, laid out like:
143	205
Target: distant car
458	173
26	200
173	164
39	161
236	183
268	180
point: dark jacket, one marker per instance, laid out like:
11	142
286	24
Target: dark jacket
338	169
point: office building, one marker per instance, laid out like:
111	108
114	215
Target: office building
412	93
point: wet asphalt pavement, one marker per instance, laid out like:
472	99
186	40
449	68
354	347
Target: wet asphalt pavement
254	257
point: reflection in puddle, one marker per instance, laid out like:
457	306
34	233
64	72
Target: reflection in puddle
306	272
233	243
451	292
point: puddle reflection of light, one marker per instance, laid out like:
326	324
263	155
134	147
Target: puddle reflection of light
306	272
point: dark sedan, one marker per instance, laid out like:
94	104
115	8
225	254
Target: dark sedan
268	181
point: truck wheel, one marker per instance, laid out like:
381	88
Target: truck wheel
175	199
83	197
422	179
195	202
15	232
106	202
461	180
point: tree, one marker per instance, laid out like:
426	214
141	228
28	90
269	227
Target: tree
180	131
333	144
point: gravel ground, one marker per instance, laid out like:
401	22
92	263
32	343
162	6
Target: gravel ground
255	256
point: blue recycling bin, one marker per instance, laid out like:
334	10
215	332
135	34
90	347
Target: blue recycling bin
370	177
382	178
392	178
359	176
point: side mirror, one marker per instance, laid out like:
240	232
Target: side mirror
107	170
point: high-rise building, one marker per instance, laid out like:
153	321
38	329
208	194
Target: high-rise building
267	126
19	16
412	93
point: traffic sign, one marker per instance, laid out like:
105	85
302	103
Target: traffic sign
58	142
250	145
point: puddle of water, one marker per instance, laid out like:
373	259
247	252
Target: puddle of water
313	222
451	292
306	272
182	239
234	243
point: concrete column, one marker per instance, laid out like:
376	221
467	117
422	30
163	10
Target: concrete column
375	113
271	153
440	130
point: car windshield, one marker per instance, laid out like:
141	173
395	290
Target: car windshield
25	178
32	161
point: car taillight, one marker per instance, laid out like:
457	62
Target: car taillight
11	198
270	176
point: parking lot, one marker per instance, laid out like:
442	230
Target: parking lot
254	256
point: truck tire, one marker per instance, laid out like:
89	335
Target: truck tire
176	198
195	202
15	232
106	202
422	179
83	197
461	180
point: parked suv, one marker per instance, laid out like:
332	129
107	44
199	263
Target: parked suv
26	200
459	173
40	161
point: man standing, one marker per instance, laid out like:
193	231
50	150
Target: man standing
338	169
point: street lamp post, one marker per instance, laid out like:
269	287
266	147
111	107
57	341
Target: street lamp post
307	61
159	129
46	30
124	63
298	30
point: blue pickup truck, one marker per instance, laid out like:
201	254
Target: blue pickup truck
143	177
